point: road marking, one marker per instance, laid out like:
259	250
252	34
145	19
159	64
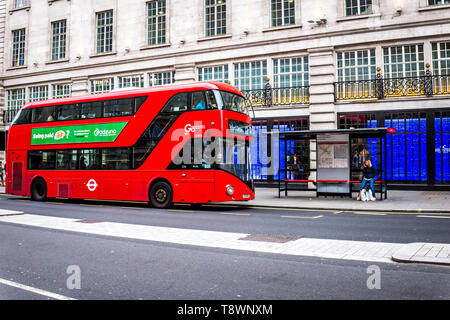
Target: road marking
235	214
323	248
23	200
136	208
369	213
336	212
292	209
6	213
34	290
182	211
302	217
51	202
436	217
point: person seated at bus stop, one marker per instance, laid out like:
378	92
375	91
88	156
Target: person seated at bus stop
369	174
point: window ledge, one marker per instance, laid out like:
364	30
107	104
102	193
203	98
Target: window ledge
155	46
358	17
222	36
97	55
16	68
27	8
281	28
435	7
57	61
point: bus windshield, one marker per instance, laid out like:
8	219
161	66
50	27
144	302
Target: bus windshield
234	102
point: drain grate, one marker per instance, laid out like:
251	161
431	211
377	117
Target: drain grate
279	238
89	221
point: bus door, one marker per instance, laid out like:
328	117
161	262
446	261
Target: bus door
194	181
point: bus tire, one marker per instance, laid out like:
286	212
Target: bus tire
38	190
161	195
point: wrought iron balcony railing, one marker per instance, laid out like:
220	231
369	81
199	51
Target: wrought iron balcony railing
379	88
269	97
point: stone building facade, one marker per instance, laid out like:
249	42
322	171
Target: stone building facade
303	64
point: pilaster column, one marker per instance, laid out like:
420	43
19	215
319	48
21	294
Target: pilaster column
80	86
185	73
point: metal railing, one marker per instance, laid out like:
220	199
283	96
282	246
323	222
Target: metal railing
423	86
270	97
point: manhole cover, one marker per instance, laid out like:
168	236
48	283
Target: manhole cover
279	238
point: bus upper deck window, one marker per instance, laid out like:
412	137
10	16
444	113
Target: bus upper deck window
211	100
198	101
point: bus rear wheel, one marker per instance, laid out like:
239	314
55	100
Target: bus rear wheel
161	195
38	190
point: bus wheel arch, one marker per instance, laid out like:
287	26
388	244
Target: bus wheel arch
160	193
38	189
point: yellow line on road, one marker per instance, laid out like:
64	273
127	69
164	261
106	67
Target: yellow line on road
293	209
91	205
302	217
136	208
235	214
182	211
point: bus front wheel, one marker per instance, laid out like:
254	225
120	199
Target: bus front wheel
161	195
38	190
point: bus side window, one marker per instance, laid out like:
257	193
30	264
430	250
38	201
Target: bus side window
91	110
178	103
118	107
41	160
138	102
211	100
44	114
89	159
23	117
67	112
198	101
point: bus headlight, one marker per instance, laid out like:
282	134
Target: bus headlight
230	190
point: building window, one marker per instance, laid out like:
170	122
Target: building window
61	90
131	81
250	75
283	12
18	48
59	30
20	4
156	24
102	85
437	2
105	31
407	148
442	147
38	93
358	7
291	81
216	73
161	78
404	61
356	65
291	72
441	58
215	17
16	99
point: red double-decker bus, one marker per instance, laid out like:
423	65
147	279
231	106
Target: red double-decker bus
181	143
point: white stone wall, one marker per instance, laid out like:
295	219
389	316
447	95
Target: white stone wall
249	37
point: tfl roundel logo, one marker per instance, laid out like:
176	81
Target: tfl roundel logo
92	185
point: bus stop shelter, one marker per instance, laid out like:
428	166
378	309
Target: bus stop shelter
339	159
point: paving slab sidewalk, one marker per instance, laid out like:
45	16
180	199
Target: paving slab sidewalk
398	201
421	252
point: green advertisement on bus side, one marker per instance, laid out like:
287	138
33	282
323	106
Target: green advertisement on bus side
84	133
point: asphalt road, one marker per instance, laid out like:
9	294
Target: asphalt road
119	268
